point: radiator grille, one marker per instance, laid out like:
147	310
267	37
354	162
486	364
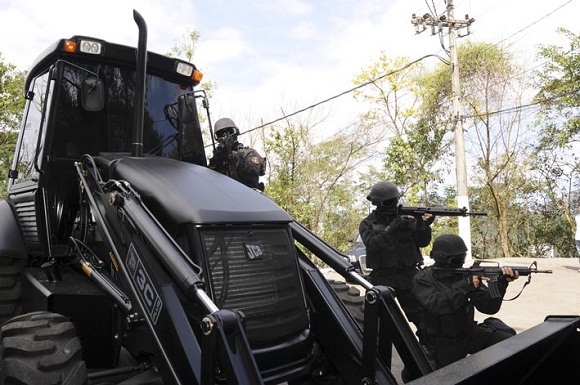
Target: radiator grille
256	272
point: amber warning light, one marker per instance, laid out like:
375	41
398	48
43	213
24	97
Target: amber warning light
84	46
70	46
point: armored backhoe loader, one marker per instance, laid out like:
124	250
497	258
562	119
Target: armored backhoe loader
125	260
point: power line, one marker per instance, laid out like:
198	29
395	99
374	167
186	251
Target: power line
398	70
343	93
522	106
535	22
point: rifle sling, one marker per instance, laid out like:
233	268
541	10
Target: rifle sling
523	287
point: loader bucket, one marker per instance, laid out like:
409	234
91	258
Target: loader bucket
548	353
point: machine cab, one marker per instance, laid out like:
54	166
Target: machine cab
81	100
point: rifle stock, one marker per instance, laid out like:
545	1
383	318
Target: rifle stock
437	211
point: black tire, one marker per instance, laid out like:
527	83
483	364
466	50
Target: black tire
351	298
10	287
41	348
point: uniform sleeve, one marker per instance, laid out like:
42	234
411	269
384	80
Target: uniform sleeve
374	239
483	301
422	233
442	299
217	160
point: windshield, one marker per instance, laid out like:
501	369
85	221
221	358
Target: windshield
78	131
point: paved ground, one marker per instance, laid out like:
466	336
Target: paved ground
547	294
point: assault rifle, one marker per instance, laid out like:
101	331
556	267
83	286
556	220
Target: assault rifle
229	143
436	211
492	270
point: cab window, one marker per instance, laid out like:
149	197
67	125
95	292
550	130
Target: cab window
32	136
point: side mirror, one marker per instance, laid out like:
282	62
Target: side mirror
187	109
92	94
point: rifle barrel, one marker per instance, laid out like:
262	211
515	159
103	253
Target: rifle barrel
526	270
523	270
476	213
440	211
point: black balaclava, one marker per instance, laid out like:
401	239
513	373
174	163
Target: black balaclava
385	212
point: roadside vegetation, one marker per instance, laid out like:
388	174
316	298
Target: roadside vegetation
520	128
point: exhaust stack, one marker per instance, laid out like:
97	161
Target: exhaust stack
137	146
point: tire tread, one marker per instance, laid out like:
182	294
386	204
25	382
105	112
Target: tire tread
41	348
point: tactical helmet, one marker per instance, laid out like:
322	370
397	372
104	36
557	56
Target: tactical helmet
225	126
382	192
448	250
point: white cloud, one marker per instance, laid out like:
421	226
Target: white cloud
304	31
28	27
225	44
270	54
288	7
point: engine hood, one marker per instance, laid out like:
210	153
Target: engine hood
178	192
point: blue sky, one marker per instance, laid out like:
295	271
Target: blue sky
272	55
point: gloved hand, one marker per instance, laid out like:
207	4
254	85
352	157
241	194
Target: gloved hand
400	222
428	219
233	159
424	221
403	221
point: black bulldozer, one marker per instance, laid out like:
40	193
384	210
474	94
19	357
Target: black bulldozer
125	260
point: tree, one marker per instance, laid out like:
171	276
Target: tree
11	107
493	82
549	203
559	118
415	140
495	141
312	180
559	91
186	50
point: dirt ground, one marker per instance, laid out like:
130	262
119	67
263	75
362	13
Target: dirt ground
557	293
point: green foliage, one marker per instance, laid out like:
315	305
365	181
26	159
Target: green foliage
557	164
283	149
435	91
413	159
392	99
415	140
549	200
313	181
504	180
11	107
528	211
186	50
495	143
559	91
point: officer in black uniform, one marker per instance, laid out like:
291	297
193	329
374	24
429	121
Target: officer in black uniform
226	133
393	245
449	331
232	158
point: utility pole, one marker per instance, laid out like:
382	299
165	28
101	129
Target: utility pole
436	24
